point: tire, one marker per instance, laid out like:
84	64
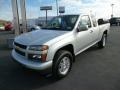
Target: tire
102	42
62	64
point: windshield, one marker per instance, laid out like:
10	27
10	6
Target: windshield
63	23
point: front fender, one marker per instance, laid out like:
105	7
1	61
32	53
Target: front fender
55	47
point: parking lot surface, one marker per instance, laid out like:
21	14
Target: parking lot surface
94	69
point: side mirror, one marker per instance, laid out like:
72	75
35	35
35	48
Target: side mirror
78	29
83	27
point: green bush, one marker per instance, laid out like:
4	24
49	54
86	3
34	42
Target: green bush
1	25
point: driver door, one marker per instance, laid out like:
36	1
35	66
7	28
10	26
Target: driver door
83	37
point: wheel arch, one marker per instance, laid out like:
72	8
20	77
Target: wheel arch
105	32
69	48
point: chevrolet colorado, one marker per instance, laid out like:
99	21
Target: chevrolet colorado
55	46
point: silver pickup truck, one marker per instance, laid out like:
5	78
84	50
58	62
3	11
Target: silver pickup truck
54	47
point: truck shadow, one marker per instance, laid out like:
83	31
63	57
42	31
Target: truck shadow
93	48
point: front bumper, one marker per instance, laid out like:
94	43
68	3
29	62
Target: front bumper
31	64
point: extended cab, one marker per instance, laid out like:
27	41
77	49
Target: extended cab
55	46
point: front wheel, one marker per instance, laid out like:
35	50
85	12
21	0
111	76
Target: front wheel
102	43
62	64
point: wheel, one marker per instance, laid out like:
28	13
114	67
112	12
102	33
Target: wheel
102	43
62	64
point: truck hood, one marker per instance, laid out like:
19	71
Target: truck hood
38	37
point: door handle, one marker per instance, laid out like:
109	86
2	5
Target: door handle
91	31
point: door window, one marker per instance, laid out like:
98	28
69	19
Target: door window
85	20
94	21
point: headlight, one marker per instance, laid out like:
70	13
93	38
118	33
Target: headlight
35	48
38	48
43	52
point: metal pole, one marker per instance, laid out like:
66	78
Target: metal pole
23	15
15	17
112	10
57	7
46	17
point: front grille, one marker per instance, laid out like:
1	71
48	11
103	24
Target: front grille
20	52
20	45
19	48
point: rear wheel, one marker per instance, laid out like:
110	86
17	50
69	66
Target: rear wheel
102	43
62	64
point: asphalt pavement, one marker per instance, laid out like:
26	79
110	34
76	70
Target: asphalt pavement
94	69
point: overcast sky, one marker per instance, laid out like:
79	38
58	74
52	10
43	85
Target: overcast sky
100	8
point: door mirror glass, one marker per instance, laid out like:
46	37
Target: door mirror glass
82	28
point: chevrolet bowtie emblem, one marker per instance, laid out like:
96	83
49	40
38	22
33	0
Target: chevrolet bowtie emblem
18	48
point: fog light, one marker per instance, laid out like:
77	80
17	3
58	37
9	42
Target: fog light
36	56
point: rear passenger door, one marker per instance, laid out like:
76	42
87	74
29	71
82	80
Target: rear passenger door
95	29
